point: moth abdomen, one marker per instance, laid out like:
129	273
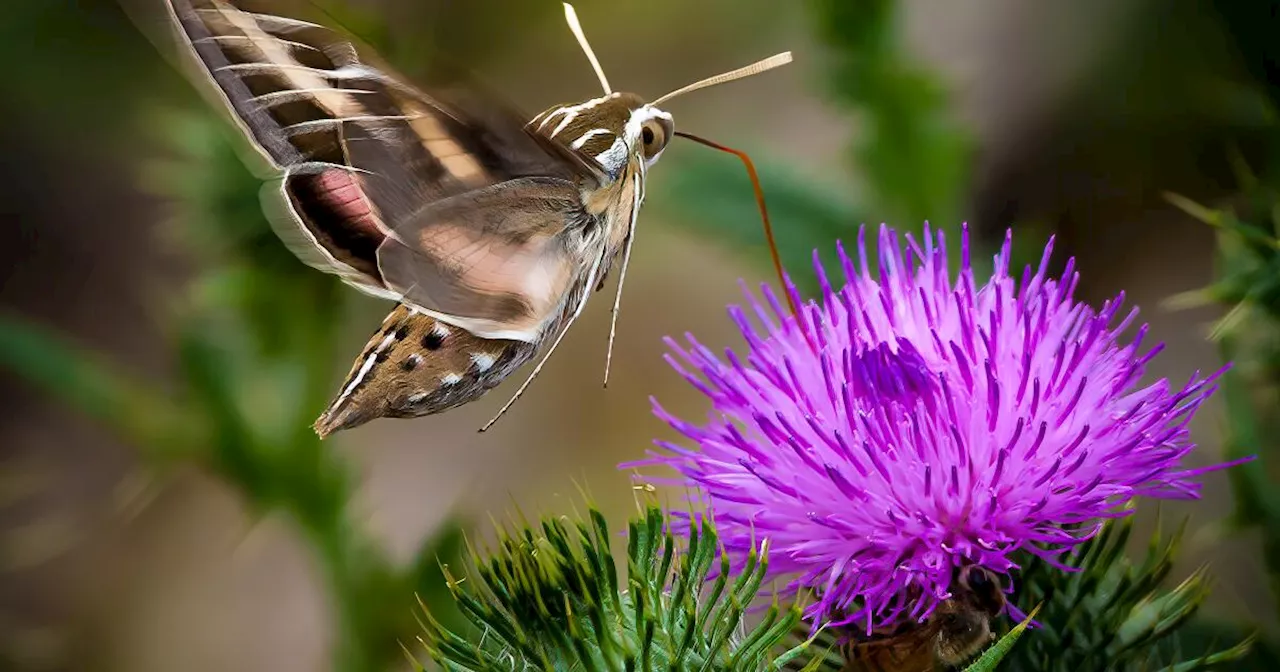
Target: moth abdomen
415	365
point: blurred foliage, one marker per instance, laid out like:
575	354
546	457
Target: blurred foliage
912	160
1247	226
912	156
1246	221
1253	27
714	194
60	45
549	598
1248	335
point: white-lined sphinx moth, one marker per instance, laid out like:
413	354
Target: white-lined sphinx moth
490	233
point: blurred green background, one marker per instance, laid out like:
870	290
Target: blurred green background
161	355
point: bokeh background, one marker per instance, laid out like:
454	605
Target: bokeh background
161	505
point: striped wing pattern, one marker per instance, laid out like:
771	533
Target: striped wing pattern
403	195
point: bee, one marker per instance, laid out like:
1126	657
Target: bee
957	630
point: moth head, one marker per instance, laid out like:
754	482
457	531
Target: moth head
638	130
618	126
612	129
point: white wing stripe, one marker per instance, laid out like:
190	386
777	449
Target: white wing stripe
321	124
246	38
268	21
294	95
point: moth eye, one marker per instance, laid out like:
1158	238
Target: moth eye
654	135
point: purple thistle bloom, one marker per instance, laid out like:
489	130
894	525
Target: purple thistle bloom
914	422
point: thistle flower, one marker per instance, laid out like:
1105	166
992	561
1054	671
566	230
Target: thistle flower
912	422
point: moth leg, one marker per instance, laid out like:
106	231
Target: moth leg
613	318
622	274
622	277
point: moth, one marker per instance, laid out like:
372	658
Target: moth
489	232
957	630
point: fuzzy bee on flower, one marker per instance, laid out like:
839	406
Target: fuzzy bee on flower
956	630
490	231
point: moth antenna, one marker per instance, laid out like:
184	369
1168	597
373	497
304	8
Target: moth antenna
571	17
582	303
764	211
746	71
622	278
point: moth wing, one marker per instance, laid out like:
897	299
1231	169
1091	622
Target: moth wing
496	261
361	150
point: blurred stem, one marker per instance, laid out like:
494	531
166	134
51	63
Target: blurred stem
1257	501
355	647
914	159
1248	337
132	409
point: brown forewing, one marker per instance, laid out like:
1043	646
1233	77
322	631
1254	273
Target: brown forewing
362	151
503	256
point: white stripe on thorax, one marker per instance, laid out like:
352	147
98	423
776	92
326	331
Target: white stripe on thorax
582	140
571	112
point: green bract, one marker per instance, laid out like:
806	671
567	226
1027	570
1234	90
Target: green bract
548	597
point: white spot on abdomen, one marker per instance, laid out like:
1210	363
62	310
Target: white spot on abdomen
483	361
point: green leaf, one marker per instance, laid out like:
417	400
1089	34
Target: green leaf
425	575
1110	612
546	596
1231	655
130	409
1250	655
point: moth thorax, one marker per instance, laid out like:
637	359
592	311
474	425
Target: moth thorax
610	129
